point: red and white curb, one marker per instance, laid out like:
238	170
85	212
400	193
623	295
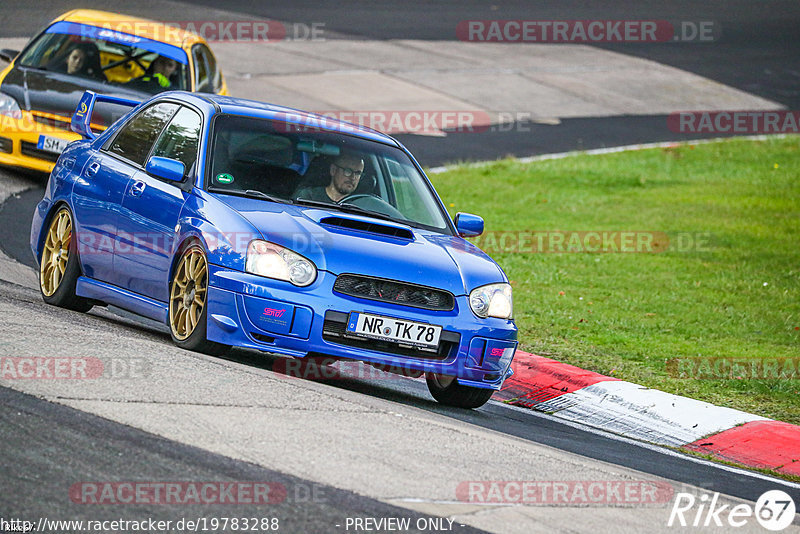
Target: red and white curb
641	413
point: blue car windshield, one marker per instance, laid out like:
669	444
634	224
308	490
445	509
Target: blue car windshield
290	163
108	56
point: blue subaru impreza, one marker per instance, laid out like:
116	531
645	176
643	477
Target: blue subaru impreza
238	223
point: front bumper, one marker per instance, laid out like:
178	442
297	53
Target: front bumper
19	138
246	310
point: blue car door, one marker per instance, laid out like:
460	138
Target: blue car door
96	200
126	153
150	211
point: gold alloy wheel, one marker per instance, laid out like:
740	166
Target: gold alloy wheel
56	253
188	293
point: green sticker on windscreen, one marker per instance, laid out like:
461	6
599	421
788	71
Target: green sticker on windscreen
224	178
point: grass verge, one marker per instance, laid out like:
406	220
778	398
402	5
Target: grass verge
710	288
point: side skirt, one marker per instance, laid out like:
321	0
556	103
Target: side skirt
116	296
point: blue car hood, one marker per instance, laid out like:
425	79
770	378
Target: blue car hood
421	257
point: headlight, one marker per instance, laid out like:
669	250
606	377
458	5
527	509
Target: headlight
9	106
274	261
493	300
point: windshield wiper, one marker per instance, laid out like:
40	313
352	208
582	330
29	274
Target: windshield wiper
249	193
350	208
261	194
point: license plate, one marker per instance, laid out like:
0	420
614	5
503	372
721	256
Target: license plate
399	330
52	144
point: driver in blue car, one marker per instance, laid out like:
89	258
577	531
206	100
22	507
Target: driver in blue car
345	171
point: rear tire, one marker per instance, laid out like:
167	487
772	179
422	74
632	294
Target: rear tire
448	391
59	265
188	295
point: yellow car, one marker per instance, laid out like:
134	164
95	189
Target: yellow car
105	52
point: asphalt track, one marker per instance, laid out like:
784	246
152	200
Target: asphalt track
759	52
516	422
94	441
101	450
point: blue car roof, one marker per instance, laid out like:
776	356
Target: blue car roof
253	108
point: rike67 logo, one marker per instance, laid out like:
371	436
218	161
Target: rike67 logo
774	510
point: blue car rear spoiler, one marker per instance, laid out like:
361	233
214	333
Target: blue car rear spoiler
82	118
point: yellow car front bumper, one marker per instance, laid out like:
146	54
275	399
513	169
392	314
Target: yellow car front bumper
19	139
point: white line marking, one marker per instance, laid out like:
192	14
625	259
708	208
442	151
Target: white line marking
643	413
609	150
649	446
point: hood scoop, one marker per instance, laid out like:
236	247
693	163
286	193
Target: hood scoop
368	227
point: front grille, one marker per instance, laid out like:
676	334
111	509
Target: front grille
6	145
402	293
29	149
334	329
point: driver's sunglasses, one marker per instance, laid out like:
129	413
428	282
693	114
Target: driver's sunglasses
348	172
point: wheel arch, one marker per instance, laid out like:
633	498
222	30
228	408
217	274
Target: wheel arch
186	241
45	226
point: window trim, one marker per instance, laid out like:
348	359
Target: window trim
188	180
197	51
188	177
449	229
106	148
205	51
49	30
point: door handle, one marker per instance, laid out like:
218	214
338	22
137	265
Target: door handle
93	168
137	188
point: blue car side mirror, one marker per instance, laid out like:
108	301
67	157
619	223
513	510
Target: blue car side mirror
166	168
468	225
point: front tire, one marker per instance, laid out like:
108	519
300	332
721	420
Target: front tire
447	390
59	265
188	295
